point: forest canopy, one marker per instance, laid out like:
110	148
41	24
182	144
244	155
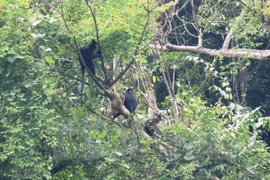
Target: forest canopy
171	89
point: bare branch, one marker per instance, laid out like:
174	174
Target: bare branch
97	37
229	53
227	41
136	52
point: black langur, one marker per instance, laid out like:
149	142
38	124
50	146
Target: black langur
150	126
130	102
87	55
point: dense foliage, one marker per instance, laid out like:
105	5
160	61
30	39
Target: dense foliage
214	109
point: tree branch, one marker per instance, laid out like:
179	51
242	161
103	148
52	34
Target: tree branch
136	52
97	37
227	41
229	53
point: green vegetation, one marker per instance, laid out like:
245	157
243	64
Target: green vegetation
211	88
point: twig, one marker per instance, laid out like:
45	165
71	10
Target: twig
72	77
207	76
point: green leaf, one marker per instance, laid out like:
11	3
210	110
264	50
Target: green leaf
49	60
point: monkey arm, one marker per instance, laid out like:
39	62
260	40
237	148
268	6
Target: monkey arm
96	55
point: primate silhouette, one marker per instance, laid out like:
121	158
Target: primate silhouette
87	55
130	102
150	126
